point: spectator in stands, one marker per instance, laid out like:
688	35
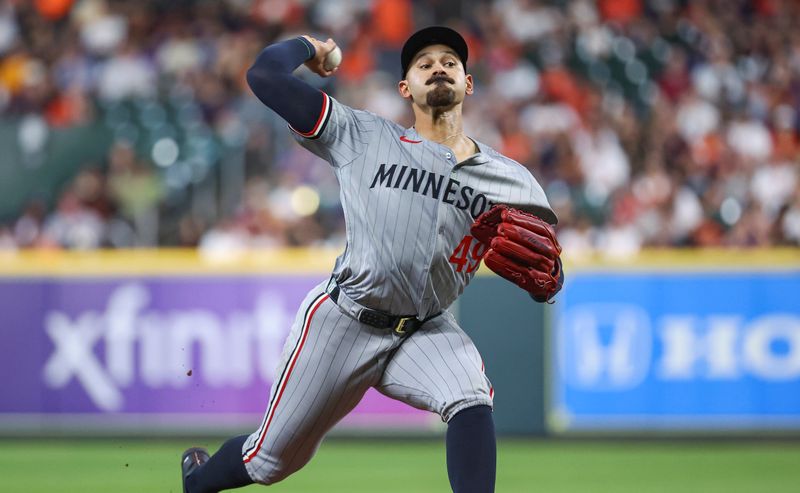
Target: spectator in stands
650	123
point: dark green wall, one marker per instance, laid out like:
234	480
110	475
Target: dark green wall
508	328
40	176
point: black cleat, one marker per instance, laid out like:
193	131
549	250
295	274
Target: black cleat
190	461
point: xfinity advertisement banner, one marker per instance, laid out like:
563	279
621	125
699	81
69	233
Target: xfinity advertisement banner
172	351
677	351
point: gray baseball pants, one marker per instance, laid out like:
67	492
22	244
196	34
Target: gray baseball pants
330	360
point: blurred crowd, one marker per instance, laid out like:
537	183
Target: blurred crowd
650	123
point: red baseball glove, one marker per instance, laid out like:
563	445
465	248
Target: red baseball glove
521	248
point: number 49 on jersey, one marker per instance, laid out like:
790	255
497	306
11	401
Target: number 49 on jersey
468	254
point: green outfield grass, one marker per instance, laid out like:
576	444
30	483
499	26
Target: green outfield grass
138	466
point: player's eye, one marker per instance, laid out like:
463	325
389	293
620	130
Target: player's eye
425	66
450	64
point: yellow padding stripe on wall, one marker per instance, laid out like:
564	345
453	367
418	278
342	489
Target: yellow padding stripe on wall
170	262
166	262
665	260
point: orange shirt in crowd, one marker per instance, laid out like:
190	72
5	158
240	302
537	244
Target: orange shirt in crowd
359	61
53	9
392	22
620	10
559	84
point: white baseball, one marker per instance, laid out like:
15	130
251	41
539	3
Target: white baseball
332	59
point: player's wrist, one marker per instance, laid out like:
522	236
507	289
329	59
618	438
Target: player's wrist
312	49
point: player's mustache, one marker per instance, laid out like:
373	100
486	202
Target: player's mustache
439	77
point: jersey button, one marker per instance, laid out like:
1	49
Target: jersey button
448	155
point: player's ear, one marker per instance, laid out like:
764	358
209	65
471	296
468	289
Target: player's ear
403	89
470	84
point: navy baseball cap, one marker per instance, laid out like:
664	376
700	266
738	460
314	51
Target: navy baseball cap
434	35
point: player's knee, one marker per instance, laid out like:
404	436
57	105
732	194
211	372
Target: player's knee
274	476
275	471
270	475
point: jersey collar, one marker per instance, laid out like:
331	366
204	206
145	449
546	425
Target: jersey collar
411	136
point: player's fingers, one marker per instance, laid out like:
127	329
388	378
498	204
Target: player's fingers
327	73
328	46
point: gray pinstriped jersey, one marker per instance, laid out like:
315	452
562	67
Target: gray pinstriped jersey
408	207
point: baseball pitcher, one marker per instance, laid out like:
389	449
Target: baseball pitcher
423	207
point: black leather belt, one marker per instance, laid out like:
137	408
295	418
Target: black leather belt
402	326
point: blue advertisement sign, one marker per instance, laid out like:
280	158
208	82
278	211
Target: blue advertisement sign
667	350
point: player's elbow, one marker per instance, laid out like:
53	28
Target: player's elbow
264	71
257	77
263	83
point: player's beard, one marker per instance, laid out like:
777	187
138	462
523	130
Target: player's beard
440	96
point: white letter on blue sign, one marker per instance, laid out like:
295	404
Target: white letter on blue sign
691	350
759	352
606	347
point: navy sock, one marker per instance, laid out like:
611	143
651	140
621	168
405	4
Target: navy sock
472	451
224	470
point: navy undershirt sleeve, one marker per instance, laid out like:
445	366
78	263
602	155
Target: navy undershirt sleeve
271	80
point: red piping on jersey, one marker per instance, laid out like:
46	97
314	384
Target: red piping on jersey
491	389
322	113
282	386
404	139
